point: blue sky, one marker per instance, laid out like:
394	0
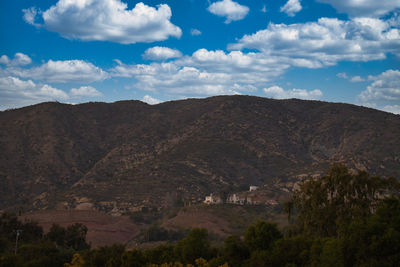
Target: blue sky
75	51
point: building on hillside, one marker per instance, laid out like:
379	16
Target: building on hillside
236	199
212	199
253	188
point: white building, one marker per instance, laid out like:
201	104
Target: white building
211	199
253	188
235	199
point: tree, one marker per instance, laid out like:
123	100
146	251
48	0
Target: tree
57	234
196	245
325	204
109	256
261	236
376	240
75	236
160	254
235	250
292	251
77	261
134	258
288	209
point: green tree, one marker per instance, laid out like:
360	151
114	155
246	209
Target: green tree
160	254
290	251
43	253
325	204
288	209
109	256
77	261
75	237
134	258
261	236
332	253
376	240
57	234
235	251
196	245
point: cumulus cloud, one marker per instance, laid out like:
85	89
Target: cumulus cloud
85	91
205	73
15	92
161	53
195	32
383	92
279	93
365	8
325	42
106	20
291	7
151	100
231	10
18	60
61	72
172	79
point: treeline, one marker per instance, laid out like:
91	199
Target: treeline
24	244
341	219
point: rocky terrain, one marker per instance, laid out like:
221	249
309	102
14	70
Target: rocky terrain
120	157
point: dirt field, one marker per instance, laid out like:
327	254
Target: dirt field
102	229
200	219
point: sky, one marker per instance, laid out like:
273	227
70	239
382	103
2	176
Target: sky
75	51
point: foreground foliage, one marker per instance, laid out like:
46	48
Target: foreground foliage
341	219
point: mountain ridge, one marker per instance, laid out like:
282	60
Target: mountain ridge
129	154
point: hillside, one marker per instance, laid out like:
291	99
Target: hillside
127	155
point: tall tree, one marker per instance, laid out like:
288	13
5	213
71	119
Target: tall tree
325	204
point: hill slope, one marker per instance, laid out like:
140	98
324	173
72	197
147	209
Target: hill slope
129	154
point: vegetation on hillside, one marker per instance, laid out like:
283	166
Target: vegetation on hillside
341	219
113	156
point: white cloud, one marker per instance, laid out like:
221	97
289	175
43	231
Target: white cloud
85	91
61	72
342	75
4	60
15	92
384	91
324	43
161	53
106	20
392	109
151	100
279	93
291	7
229	9
195	32
172	79
264	9
352	79
30	15
205	73
18	60
364	8
356	79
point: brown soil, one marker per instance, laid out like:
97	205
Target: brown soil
200	219
102	229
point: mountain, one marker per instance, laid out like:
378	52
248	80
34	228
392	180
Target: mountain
128	154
